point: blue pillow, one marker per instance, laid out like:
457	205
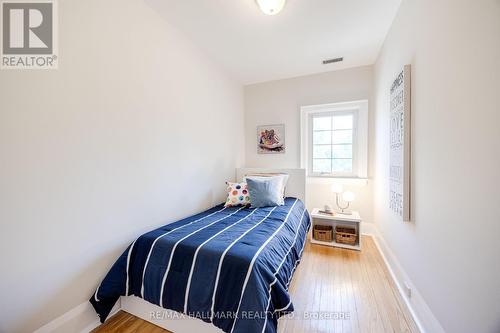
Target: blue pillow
265	192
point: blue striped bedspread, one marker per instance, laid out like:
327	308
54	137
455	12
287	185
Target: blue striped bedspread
227	266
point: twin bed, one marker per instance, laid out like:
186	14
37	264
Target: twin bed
226	269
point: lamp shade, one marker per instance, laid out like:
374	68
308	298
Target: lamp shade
271	7
348	196
337	188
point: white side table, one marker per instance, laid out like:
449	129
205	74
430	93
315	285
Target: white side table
353	221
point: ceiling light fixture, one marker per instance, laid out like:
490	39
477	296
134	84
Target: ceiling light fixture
271	7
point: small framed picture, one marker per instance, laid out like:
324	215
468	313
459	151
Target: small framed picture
271	139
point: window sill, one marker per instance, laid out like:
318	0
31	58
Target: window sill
340	180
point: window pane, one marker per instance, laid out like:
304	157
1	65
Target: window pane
322	123
342	151
322	137
342	165
322	151
322	165
342	136
342	122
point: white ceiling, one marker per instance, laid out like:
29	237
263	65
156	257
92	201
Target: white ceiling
254	47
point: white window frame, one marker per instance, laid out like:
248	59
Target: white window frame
359	109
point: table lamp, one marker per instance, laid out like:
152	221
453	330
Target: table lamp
347	198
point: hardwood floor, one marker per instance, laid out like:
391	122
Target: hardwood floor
357	285
333	290
123	322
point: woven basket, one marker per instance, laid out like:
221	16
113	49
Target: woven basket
345	235
323	233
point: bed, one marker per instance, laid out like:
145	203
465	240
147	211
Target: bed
222	270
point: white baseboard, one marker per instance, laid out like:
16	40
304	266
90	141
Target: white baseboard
82	319
368	228
422	314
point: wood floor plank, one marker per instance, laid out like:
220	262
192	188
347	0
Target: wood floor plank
366	309
328	282
123	322
353	323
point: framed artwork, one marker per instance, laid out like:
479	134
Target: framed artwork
271	139
400	158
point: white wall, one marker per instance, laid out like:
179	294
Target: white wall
130	133
279	102
451	248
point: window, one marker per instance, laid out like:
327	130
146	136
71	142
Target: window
332	146
334	139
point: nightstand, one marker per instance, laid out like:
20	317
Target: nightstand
353	221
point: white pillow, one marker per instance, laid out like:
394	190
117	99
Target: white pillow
283	178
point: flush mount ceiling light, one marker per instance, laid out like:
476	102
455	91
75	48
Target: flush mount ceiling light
271	7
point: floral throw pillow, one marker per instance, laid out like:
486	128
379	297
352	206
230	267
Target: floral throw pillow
237	195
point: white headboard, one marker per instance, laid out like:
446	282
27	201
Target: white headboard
296	186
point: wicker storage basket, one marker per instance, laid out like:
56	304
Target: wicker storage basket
345	235
323	233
